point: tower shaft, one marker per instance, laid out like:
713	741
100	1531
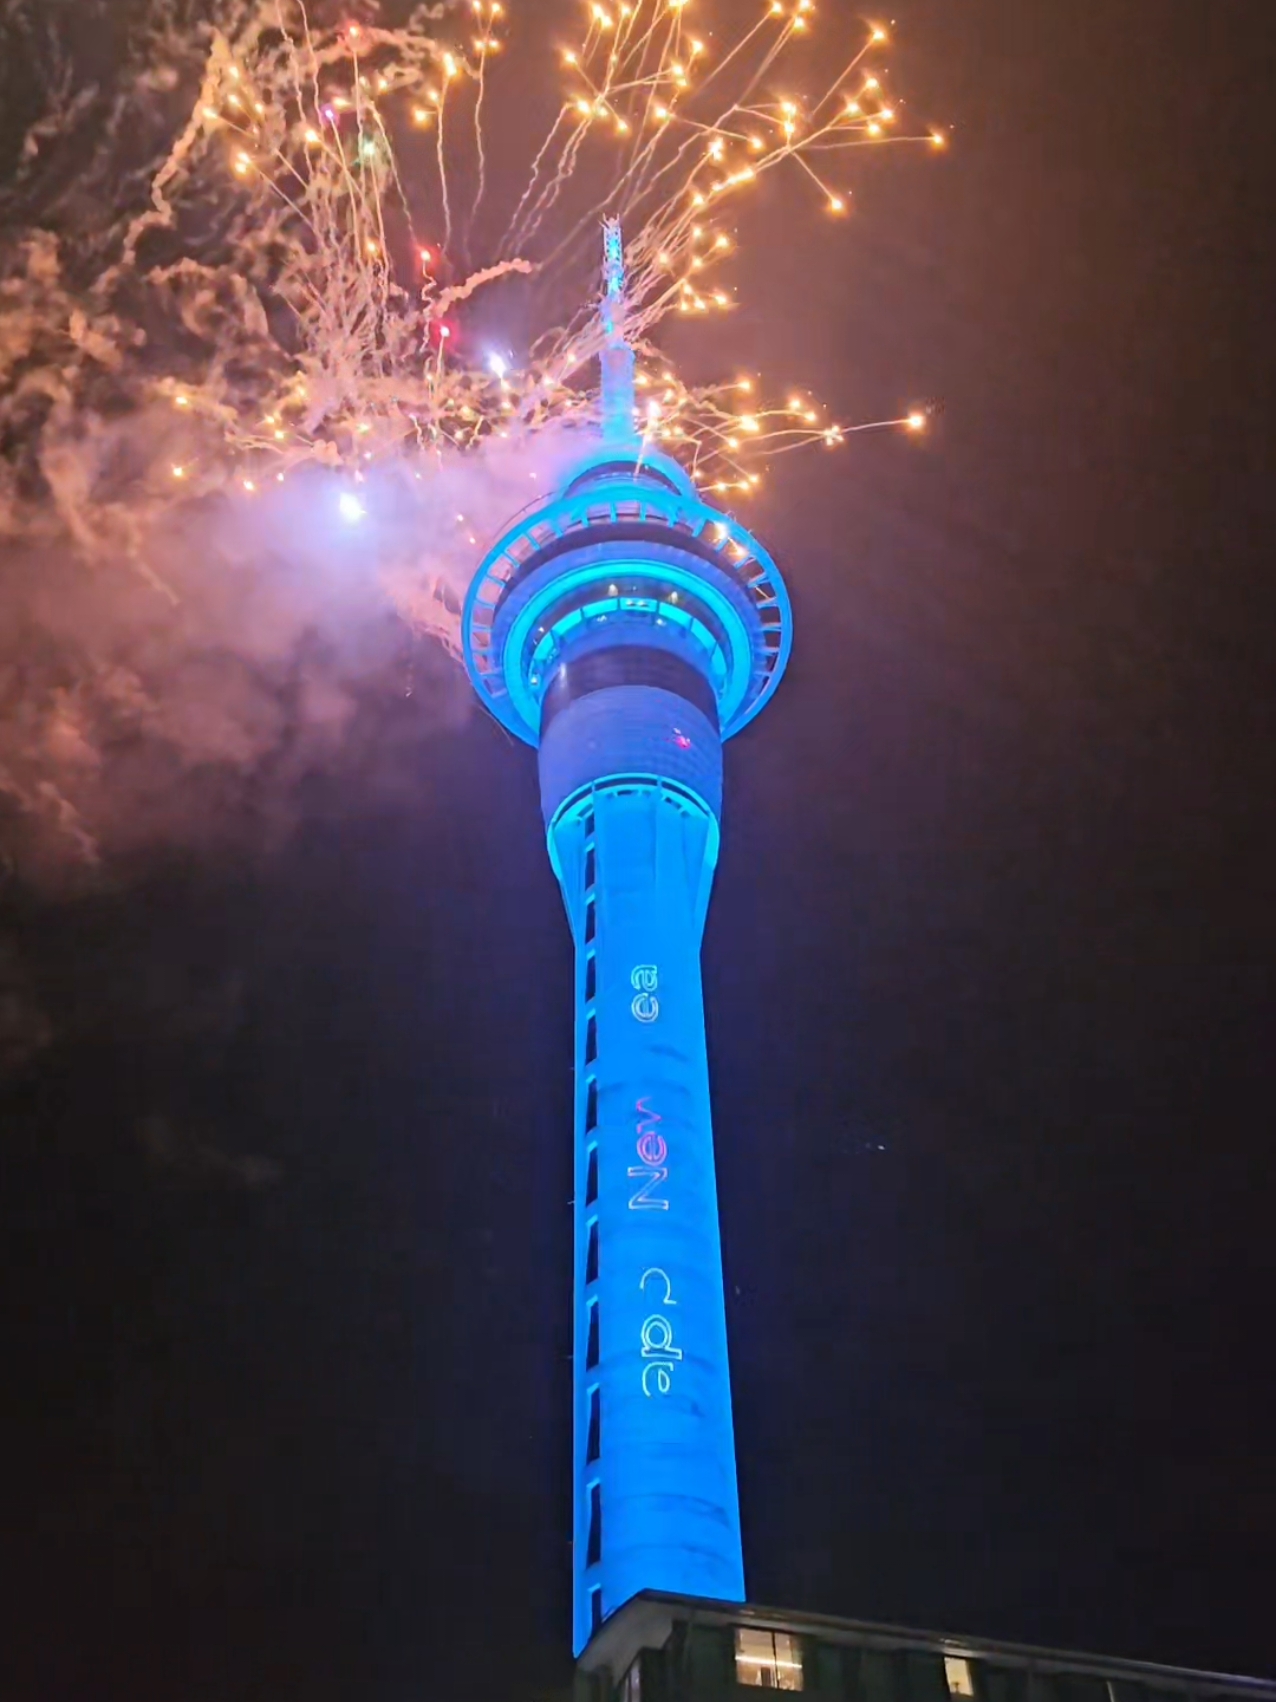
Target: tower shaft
654	1483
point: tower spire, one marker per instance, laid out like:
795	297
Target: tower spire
617	359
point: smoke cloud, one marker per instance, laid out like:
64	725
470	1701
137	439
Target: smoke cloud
235	511
154	697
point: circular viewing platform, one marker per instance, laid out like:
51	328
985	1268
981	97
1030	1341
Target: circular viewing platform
627	553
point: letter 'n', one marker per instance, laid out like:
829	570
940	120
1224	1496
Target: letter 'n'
642	1200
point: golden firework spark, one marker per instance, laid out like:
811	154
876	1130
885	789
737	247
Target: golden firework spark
335	192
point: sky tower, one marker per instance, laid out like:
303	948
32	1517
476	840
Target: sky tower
625	629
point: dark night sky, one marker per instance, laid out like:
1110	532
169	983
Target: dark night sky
990	1017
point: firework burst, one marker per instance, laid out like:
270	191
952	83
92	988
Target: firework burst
311	228
269	256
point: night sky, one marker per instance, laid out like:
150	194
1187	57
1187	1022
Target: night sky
988	973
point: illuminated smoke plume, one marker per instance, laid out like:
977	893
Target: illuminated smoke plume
253	443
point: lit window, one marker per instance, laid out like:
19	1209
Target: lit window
769	1660
957	1672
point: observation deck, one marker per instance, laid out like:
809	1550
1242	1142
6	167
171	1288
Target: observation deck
626	555
625	577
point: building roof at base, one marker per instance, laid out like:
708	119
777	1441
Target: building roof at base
648	1620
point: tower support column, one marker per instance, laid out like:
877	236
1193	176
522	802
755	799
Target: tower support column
655	1501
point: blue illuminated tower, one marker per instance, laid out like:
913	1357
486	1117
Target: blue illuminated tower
625	629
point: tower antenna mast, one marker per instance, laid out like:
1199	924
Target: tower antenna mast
618	355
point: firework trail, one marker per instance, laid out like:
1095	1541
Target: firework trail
245	416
